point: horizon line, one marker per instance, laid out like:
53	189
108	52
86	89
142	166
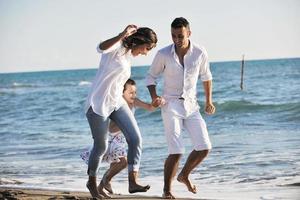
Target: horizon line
54	70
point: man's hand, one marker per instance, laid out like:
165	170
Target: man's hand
158	102
210	109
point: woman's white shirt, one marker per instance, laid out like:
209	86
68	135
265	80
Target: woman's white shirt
107	88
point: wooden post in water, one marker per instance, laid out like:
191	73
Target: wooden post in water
242	72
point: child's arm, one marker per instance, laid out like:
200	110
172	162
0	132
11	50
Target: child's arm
130	29
141	104
113	128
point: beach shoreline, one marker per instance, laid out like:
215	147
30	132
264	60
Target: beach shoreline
284	192
44	194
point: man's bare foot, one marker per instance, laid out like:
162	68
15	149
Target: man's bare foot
101	190
93	190
168	195
138	188
192	188
106	185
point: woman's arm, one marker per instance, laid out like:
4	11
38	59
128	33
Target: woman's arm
130	29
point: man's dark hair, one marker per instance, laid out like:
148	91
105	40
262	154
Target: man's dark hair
180	22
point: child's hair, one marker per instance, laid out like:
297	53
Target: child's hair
142	36
180	22
128	82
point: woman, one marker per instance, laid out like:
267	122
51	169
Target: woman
105	102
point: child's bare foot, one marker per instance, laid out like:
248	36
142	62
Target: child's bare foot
138	188
168	195
106	185
93	190
101	190
182	179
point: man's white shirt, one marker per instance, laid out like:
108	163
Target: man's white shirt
180	81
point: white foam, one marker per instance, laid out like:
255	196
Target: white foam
82	83
22	85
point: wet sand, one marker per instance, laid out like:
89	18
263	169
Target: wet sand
37	194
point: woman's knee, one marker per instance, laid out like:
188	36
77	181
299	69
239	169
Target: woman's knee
100	147
135	141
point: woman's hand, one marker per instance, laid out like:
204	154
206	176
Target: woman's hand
129	30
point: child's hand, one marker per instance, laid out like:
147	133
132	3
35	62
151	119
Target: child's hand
158	102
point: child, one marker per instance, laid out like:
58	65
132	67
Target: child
116	152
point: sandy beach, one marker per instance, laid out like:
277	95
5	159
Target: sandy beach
37	194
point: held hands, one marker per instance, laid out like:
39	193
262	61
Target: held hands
129	30
158	102
210	108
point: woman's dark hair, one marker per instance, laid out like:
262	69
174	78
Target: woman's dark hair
128	82
142	36
180	22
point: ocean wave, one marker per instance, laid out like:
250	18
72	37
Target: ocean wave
19	85
297	184
256	179
243	105
82	83
6	181
23	85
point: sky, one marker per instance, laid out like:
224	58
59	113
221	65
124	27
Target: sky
63	34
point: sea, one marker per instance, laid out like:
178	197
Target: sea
255	132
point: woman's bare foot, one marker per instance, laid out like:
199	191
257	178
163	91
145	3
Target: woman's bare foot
101	190
93	190
168	195
192	188
133	188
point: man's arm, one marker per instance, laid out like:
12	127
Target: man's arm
154	72
156	100
152	91
209	107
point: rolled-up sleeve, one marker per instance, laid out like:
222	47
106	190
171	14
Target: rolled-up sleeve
205	74
155	69
98	48
113	47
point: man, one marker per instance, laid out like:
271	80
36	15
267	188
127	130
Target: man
181	63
